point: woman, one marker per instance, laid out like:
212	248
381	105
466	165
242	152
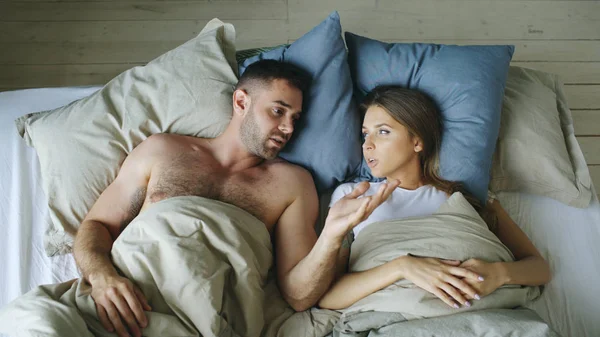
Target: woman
402	136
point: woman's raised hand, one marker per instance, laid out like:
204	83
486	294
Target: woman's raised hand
353	209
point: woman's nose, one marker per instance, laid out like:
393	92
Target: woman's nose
368	144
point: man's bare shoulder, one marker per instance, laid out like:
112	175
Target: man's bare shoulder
163	142
295	176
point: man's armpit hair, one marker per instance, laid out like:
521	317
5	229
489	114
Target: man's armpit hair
135	205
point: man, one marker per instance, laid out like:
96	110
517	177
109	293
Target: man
239	167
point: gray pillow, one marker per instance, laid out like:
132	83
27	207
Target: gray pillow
537	151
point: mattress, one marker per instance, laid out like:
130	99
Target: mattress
567	237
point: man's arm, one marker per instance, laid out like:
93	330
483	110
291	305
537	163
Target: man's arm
306	266
303	267
115	296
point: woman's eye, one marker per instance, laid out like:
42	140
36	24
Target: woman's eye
383	132
364	135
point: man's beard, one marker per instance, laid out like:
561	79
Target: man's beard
253	140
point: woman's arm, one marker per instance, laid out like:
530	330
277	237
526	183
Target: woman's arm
530	268
440	277
353	287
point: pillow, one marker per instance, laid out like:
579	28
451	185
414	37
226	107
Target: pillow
81	146
537	151
326	140
467	84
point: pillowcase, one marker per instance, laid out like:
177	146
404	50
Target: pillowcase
81	146
466	83
537	151
326	139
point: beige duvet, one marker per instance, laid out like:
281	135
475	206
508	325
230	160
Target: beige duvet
203	265
205	268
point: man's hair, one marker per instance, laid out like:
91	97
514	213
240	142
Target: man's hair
263	72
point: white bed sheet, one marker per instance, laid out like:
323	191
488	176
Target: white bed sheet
568	237
23	204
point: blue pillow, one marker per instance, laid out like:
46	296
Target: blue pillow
325	141
466	83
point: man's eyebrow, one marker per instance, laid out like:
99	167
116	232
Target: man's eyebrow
280	102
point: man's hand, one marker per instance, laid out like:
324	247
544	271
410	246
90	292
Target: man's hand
118	300
351	210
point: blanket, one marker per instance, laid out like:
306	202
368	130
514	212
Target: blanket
204	266
455	232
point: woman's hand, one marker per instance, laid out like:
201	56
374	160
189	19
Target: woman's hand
443	278
351	210
493	275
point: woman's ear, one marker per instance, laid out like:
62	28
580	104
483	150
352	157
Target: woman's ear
241	102
418	145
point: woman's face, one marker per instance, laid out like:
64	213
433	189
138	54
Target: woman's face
388	147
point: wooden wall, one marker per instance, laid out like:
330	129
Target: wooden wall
71	43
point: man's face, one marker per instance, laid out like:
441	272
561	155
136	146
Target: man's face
269	123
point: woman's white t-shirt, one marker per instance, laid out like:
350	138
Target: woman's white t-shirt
402	203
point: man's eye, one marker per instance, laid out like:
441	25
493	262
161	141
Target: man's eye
364	135
278	111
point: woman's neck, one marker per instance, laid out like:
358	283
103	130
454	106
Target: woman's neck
410	176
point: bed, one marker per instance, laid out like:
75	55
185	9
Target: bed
566	236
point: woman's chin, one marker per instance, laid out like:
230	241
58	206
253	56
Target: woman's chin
375	173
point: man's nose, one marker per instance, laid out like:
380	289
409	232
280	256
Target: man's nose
287	126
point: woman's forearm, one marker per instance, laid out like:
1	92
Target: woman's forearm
529	271
353	287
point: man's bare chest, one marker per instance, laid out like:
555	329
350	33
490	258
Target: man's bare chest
253	190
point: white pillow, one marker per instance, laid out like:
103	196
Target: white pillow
81	146
537	151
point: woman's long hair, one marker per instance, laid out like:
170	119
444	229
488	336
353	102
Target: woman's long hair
417	112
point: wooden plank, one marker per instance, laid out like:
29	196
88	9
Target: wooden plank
568	72
81	52
583	96
128	31
140	10
99	52
455	19
590	146
531	50
586	122
28	76
168	1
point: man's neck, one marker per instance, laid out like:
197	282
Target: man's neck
231	153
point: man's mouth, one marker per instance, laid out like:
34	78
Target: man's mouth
279	142
371	162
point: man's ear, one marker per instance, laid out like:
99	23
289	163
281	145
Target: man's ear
241	102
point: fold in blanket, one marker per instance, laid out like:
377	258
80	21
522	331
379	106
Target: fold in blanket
202	264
